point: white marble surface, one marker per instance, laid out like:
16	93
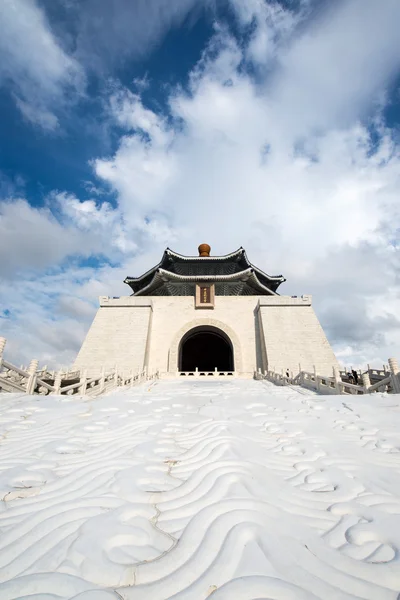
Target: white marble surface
200	489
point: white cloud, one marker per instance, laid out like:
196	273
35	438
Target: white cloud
140	181
40	238
34	64
32	238
87	214
336	69
270	25
38	116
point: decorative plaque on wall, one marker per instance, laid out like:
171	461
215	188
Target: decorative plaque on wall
205	295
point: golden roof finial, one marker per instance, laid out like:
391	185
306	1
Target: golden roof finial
204	250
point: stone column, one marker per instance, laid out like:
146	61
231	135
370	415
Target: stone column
2	346
31	384
366	382
317	386
57	384
336	377
83	382
102	379
395	375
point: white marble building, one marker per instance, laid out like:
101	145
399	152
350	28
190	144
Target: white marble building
206	312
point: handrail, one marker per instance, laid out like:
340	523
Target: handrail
380	383
10	383
31	380
67	388
334	384
42	383
11	367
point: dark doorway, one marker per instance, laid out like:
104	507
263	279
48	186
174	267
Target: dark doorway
206	349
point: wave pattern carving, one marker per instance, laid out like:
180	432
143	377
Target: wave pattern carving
193	490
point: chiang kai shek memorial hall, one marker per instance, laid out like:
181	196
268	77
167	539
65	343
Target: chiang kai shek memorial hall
205	314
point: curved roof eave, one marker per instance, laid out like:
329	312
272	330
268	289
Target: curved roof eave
164	275
229	277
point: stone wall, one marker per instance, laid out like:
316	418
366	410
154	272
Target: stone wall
118	335
292	334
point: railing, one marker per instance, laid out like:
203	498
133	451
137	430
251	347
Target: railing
197	373
375	375
389	381
378	374
31	380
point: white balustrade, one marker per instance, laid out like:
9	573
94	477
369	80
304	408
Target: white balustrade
387	381
32	380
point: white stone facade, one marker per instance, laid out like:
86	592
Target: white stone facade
275	332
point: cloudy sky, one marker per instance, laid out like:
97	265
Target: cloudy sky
130	125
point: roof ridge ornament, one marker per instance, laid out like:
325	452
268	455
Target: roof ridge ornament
204	250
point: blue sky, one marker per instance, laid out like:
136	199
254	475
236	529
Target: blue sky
129	126
62	160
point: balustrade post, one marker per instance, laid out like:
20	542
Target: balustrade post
31	384
336	377
394	375
102	379
116	376
2	346
316	379
366	382
83	382
57	384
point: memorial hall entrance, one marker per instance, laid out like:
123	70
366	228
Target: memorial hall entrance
207	348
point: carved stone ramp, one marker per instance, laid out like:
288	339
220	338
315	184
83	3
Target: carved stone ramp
190	490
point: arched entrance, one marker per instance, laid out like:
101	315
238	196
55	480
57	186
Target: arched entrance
207	348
